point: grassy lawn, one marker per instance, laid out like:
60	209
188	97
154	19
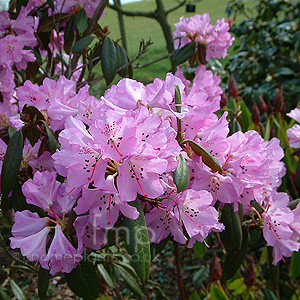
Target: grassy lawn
138	28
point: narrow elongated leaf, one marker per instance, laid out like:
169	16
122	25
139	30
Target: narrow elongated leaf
234	259
104	274
82	21
52	141
232	235
69	34
53	21
200	249
122	60
82	44
3	294
11	163
181	174
109	60
51	4
11	131
83	281
17	291
184	53
295	265
217	292
138	244
130	281
177	98
245	116
207	158
43	283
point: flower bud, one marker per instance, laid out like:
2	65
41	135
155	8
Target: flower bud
262	104
250	273
270	108
215	268
255	114
224	100
278	101
232	87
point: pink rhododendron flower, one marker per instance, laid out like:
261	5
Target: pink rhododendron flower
197	28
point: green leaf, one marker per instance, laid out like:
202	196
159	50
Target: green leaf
234	259
269	295
51	22
82	21
194	296
235	126
109	60
17	291
84	281
21	3
284	71
43	283
122	60
217	292
51	4
137	243
69	34
181	174
32	133
232	235
82	44
157	248
52	141
11	163
130	281
184	53
11	131
200	249
207	158
245	116
177	98
3	294
34	113
295	265
238	286
104	274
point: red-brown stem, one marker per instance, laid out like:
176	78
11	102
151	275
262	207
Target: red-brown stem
178	265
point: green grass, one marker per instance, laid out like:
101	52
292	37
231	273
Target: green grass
138	28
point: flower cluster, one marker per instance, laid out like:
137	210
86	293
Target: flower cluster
128	146
215	38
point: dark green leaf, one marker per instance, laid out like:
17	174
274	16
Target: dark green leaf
295	265
157	248
34	113
234	259
181	174
69	34
177	98
84	281
17	291
32	133
200	249
234	126
137	243
130	281
232	235
52	141
104	274
109	60
82	44
245	116
3	294
51	22
122	60
194	296
81	21
43	283
269	295
217	292
11	131
21	3
11	163
207	158
184	53
284	71
51	4
254	236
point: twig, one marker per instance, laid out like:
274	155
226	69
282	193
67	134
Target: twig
152	62
14	257
178	265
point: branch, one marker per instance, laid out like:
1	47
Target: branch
130	13
176	7
143	49
152	62
96	16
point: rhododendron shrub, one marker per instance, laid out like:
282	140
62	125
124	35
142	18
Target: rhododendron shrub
158	162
